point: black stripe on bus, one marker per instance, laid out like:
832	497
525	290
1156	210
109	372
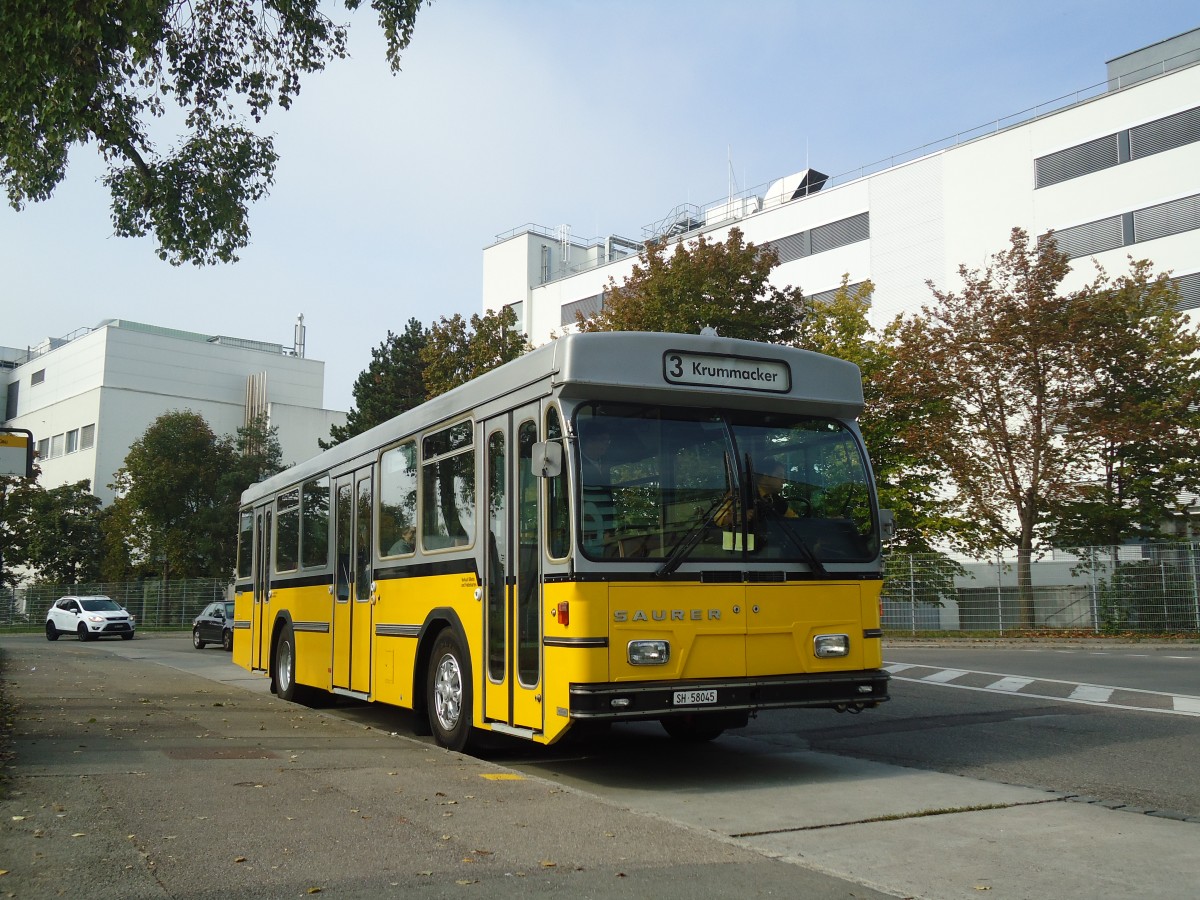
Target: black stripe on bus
410	631
750	577
321	627
575	642
461	566
299	581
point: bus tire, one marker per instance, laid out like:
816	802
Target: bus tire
285	666
698	728
448	699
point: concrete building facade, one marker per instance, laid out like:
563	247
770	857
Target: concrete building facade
88	396
1111	169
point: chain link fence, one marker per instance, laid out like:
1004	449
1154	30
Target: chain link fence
154	603
1148	589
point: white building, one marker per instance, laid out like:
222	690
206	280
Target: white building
88	396
1113	170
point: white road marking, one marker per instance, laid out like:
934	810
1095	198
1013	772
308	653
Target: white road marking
1092	692
944	676
1187	704
1011	683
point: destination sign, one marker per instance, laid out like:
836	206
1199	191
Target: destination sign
736	372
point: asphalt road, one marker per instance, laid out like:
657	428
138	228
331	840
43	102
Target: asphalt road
955	787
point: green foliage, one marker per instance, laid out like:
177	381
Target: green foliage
393	382
455	352
64	539
1138	421
179	492
103	72
721	285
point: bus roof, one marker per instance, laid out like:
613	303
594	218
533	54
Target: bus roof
651	367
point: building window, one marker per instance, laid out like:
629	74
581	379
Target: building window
518	309
1188	287
829	295
1161	220
37	377
14	391
43	448
87	437
73	440
1111	150
589	306
56	445
829	236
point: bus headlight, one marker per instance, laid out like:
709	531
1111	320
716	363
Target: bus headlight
826	646
649	653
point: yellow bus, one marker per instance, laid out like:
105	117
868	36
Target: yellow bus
615	527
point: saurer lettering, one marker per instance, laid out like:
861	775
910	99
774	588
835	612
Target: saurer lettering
662	615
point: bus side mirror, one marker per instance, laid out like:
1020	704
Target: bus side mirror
547	459
887	524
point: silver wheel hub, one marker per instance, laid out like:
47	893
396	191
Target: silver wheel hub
285	666
447	692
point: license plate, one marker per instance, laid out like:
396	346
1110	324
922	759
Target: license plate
694	698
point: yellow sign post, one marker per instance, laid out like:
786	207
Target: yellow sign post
16	452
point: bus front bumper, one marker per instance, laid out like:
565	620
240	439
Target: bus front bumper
630	701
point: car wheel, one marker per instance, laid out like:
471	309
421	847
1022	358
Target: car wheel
51	632
196	642
227	640
127	635
448	692
84	634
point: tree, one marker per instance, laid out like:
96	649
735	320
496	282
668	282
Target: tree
17	498
102	71
1001	372
456	353
1138	421
1030	393
179	492
64	543
722	285
393	382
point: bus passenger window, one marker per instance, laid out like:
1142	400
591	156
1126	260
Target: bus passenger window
398	500
448	483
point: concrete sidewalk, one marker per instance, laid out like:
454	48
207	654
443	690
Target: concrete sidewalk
134	780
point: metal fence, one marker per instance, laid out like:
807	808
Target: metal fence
1148	589
1151	589
154	603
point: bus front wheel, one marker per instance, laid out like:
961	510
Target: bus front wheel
448	692
700	727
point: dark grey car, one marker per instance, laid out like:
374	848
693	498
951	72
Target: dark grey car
214	626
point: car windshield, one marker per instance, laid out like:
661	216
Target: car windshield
229	610
661	483
98	604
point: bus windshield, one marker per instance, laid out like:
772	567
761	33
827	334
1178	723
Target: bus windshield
661	483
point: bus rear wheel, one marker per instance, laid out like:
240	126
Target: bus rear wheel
448	692
285	667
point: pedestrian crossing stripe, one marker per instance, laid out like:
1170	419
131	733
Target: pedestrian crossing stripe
1047	689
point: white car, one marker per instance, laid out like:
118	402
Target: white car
88	617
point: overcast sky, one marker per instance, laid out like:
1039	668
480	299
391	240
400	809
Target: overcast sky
601	115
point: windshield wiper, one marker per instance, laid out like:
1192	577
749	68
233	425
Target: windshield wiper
691	538
805	550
